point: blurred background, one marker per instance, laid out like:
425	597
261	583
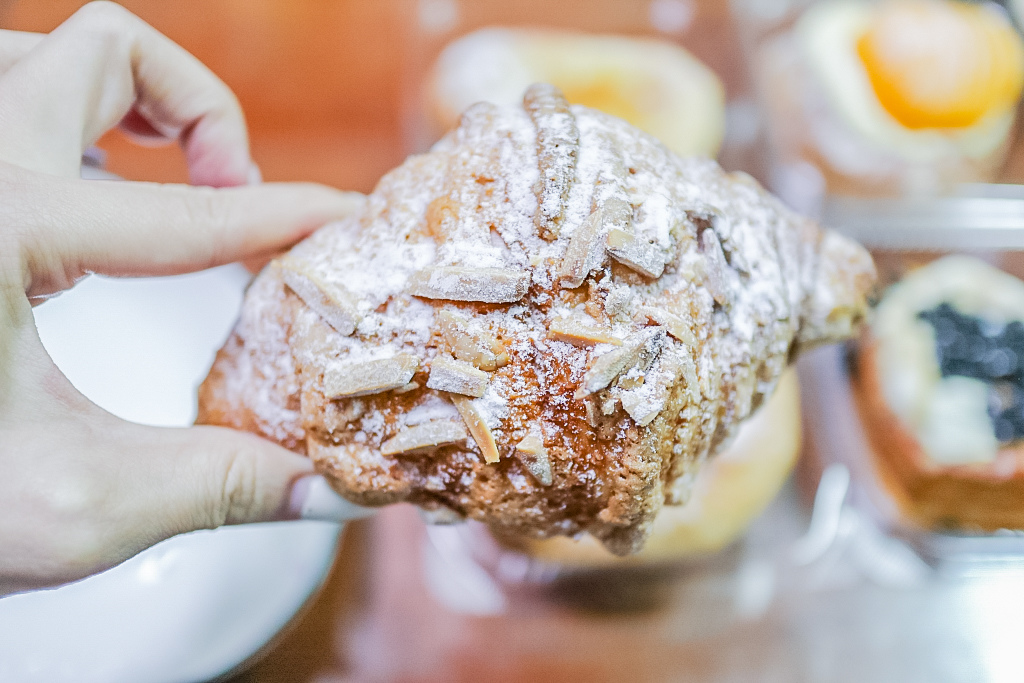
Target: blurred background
843	576
328	85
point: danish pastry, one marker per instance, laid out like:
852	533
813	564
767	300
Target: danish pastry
940	388
546	323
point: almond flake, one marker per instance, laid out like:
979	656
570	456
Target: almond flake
617	213
369	377
645	402
460	283
715	266
618	302
558	141
477	428
640	350
640	255
584	253
580	334
534	456
675	325
331	301
476	346
642	409
457	377
425	435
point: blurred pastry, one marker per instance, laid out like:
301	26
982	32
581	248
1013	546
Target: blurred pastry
548	323
655	85
730	490
896	97
940	385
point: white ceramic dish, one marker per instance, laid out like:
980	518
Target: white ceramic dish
192	607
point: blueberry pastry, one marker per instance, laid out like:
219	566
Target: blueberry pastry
940	384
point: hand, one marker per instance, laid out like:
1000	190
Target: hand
82	490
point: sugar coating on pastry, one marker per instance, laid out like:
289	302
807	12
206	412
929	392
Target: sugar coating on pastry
561	319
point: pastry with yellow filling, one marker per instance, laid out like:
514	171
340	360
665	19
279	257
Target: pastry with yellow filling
655	85
897	96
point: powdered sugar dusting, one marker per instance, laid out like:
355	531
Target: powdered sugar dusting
480	227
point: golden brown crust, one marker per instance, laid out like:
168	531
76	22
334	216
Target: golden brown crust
435	265
731	489
971	496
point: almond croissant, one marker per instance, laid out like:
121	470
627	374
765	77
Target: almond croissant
546	323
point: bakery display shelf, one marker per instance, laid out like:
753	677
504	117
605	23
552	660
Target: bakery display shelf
978	217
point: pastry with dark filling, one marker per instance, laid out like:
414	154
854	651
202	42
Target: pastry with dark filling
940	385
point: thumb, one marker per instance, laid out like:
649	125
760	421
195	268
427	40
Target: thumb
204	477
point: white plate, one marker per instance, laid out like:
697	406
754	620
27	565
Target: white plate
194	606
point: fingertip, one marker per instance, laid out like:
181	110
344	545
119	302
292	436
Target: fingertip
255	175
323	201
301	208
217	152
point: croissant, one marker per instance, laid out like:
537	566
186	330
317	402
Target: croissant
546	323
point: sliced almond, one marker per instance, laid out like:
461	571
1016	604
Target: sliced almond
424	435
476	346
330	300
715	266
457	377
618	302
411	386
581	334
648	400
617	213
675	325
460	283
557	147
584	253
534	456
369	377
477	428
639	254
641	349
642	408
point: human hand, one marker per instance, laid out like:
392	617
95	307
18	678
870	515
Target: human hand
81	489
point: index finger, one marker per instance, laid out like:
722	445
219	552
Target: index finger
139	229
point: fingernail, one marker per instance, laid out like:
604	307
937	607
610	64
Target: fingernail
313	498
255	177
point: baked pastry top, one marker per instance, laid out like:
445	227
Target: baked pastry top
547	323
